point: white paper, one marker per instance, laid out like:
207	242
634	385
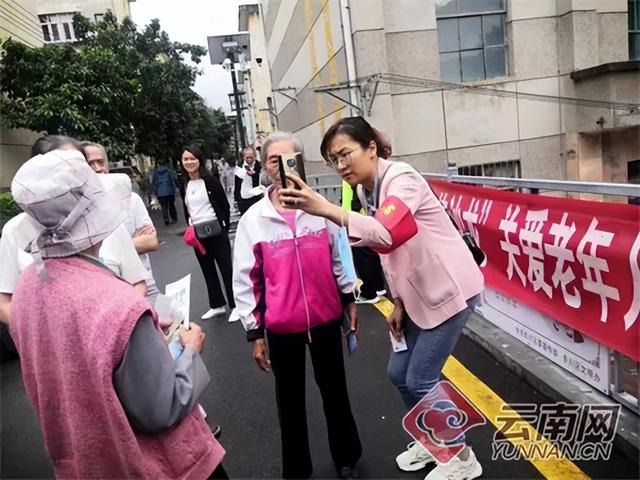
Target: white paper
398	346
180	293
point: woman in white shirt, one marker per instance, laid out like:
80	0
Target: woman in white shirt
207	208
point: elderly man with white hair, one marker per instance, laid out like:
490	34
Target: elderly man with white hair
247	178
138	222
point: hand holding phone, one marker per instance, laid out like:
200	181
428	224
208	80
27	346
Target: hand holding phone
351	335
291	163
352	342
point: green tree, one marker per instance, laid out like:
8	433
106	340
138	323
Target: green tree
212	130
129	90
8	208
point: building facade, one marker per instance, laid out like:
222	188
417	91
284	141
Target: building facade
19	21
545	89
34	23
259	118
56	16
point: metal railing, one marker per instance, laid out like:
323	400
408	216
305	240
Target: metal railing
599	188
330	187
330	184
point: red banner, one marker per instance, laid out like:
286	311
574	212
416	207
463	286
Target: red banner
575	261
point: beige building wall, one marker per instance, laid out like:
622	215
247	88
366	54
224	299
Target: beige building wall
547	41
18	21
603	156
305	50
88	8
15	149
257	83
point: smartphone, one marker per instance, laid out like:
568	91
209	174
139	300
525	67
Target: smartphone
351	336
352	342
291	163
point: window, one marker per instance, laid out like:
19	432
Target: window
634	29
509	169
98	17
471	39
57	27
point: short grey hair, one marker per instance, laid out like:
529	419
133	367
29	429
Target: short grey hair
86	143
277	137
250	147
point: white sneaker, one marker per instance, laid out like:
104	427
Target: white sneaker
457	469
361	300
214	312
414	458
235	316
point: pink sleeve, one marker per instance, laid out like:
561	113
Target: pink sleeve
365	231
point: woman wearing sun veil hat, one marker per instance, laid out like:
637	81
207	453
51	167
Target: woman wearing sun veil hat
84	351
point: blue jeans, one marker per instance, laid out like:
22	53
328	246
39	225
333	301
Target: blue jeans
416	370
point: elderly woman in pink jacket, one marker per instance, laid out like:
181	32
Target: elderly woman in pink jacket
431	273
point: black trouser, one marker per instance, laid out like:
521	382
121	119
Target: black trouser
219	474
288	354
244	204
218	252
168	206
369	269
8	350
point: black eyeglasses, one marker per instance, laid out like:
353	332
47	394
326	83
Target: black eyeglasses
342	158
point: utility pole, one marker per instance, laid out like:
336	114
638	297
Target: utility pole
235	140
236	96
226	50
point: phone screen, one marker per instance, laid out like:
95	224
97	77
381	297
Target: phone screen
291	163
352	342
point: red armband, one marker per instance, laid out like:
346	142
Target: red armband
396	217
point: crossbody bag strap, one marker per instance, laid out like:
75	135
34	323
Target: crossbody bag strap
377	198
455	224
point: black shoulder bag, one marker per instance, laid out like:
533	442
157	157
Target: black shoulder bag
212	228
208	229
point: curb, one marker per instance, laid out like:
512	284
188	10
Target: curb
548	378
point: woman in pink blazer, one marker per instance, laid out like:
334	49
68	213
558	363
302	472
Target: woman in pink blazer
431	273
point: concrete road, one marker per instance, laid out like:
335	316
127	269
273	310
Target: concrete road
241	399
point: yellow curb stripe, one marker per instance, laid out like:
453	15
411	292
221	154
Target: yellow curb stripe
491	406
333	67
308	15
